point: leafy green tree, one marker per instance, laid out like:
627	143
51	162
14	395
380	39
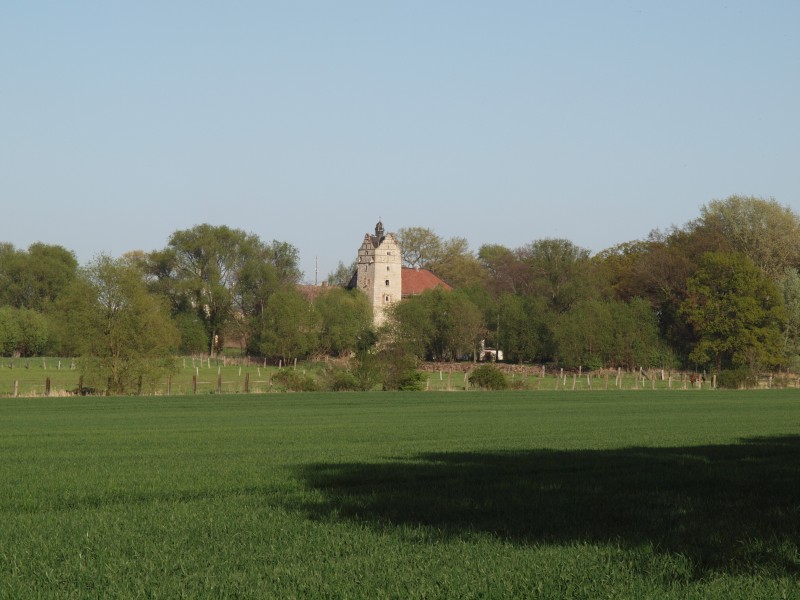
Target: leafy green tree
289	326
458	266
524	331
223	275
122	332
737	313
506	274
36	278
789	286
438	325
34	332
609	333
762	229
584	335
9	330
345	320
636	339
559	271
420	246
342	275
192	332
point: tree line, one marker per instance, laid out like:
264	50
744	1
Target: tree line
721	293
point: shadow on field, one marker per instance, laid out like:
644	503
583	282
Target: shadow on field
733	508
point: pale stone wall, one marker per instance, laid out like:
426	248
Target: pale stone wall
380	273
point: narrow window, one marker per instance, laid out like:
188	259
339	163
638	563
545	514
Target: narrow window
387	282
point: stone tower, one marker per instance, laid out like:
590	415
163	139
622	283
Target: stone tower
379	273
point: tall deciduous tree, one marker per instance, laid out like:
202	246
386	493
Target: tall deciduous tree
737	313
345	320
122	332
223	275
289	326
789	286
522	328
559	271
36	278
438	325
762	229
419	245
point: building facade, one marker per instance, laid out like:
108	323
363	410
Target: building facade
380	272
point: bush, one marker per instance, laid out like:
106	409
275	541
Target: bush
398	370
294	380
338	379
487	377
737	379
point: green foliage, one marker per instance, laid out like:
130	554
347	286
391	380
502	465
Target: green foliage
342	275
288	328
225	275
487	377
35	279
789	285
345	320
762	229
557	271
737	379
9	331
398	369
438	325
737	313
193	334
600	333
23	332
294	380
123	333
34	332
338	379
524	331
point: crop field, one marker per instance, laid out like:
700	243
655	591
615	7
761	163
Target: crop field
633	494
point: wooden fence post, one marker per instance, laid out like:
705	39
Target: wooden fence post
219	383
246	382
16	388
47	386
169	385
194	384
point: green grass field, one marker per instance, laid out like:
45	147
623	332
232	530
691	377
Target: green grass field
28	377
639	494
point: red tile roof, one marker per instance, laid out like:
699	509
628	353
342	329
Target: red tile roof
416	281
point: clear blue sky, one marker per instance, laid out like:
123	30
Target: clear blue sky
501	122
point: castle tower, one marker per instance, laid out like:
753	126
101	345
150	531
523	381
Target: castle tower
379	273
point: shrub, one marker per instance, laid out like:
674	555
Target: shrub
294	380
339	379
487	377
737	379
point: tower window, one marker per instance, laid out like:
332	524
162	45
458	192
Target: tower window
387	282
